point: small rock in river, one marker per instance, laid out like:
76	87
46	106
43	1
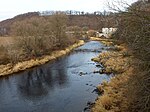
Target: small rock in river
96	72
81	73
99	66
91	84
96	91
89	106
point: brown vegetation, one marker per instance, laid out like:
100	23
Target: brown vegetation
5	43
129	90
134	30
107	42
93	21
19	66
35	41
35	37
6	24
114	93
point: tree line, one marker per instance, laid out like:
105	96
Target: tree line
95	21
73	12
134	30
35	37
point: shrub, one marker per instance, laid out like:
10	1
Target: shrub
38	36
106	101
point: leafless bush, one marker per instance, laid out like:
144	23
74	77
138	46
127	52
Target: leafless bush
3	55
134	30
38	36
75	31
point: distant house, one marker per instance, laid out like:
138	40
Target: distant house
106	32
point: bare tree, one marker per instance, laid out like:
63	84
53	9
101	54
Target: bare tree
58	24
134	30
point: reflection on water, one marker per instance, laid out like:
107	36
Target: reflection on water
56	86
39	81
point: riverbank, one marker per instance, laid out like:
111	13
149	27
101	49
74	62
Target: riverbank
114	97
107	42
20	66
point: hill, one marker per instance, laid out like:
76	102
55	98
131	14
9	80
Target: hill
5	25
92	21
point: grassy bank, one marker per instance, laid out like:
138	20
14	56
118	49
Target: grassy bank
107	42
114	96
20	66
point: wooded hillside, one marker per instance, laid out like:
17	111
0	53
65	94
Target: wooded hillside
90	21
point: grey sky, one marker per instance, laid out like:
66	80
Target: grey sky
11	8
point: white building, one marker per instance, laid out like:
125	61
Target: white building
106	32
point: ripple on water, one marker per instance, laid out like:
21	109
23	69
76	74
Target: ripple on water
57	86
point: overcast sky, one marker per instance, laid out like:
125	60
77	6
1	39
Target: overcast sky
11	8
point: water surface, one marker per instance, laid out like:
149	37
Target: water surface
64	85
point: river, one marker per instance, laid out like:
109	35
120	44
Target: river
64	85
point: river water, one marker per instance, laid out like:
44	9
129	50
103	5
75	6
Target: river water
63	85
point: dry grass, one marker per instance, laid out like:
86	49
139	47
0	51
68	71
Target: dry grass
105	41
10	68
106	101
114	98
114	61
128	90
